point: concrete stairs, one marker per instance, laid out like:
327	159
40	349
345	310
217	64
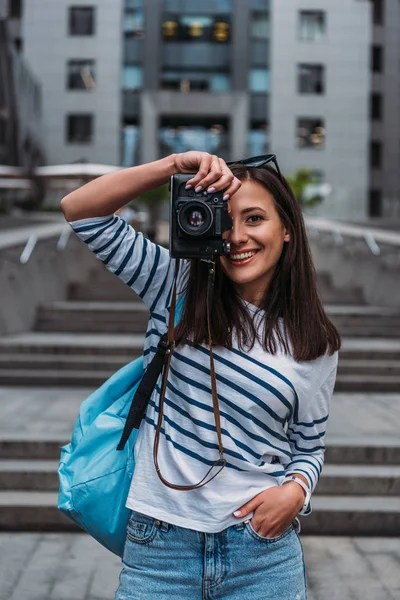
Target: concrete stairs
360	497
82	341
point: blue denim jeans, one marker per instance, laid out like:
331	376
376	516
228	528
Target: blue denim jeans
163	561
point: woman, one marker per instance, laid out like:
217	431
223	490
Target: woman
275	355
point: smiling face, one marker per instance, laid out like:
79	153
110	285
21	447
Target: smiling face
257	240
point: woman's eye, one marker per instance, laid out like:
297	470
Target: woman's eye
255	218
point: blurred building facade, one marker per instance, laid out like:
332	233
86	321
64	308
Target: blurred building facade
384	193
21	133
320	96
128	81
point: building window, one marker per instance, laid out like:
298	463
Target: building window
259	80
378	11
81	20
312	25
205	138
310	133
134	22
375	203
376	107
130	145
376	155
195	81
80	128
377	59
134	3
15	9
311	79
132	77
3	131
258	139
190	28
81	75
260	24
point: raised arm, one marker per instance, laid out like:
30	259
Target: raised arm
105	195
145	267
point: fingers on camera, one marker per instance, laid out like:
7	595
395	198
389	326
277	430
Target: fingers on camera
235	185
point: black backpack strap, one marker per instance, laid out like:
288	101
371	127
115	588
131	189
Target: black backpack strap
142	396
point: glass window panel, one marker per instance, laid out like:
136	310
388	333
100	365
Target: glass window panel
376	106
259	80
132	77
378	12
134	22
130	145
196	28
311	79
191	6
181	139
80	128
134	3
312	25
258	140
260	4
81	75
260	26
81	20
187	81
311	133
377	59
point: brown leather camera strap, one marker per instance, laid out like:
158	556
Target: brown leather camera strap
221	462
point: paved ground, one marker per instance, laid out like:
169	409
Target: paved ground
75	567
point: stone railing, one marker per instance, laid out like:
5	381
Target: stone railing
37	263
358	256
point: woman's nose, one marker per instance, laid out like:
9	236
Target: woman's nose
237	235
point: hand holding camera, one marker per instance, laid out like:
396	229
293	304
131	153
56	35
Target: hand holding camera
199	212
211	172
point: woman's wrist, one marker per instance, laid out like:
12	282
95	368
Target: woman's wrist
297	492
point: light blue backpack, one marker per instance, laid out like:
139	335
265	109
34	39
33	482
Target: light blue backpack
94	477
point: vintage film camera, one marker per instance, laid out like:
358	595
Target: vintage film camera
197	221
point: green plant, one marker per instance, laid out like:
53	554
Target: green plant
155	197
299	182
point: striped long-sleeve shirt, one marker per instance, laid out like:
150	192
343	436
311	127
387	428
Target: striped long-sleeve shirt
273	409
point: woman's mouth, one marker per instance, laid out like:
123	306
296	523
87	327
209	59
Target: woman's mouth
242	258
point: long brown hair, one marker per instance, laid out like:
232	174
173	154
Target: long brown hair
292	294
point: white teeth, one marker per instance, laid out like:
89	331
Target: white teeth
242	256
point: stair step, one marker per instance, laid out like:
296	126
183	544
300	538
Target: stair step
338	480
355	480
367	383
61	362
113	289
353	515
30	475
112	317
361	367
350	515
45	377
73	343
361	311
32	511
358	452
92	377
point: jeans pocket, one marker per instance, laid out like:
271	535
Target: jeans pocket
141	528
268	540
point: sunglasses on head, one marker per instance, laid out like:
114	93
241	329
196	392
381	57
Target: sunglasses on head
259	161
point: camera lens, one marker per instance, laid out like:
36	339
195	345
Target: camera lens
195	218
